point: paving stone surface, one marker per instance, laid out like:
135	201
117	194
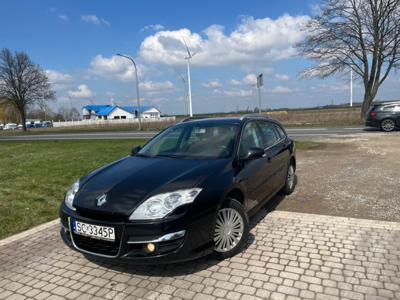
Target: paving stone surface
289	256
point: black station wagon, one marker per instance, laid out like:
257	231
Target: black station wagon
187	193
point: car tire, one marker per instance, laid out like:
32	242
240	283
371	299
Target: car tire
290	182
388	125
231	229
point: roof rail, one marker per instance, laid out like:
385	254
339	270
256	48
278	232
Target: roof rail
191	119
254	115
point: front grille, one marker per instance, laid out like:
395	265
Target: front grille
98	246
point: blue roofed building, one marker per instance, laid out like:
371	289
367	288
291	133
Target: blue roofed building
115	112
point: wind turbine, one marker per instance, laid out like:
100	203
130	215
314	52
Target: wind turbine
185	93
188	58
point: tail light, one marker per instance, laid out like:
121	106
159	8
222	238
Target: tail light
372	114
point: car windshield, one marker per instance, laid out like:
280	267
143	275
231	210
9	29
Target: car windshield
198	141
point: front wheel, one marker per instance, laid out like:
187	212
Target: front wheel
388	125
231	229
290	182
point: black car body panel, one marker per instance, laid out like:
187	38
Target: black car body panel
130	181
382	111
133	179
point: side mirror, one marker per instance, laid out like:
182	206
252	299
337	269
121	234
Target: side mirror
254	153
135	150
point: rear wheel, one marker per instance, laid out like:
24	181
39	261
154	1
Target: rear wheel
388	125
231	229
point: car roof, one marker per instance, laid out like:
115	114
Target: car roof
228	120
386	103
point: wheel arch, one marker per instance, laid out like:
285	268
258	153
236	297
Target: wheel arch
237	194
293	161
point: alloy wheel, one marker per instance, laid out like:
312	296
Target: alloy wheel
388	125
229	230
290	177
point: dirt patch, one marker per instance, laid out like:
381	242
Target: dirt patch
351	177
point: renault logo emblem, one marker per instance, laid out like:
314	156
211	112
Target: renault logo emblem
101	200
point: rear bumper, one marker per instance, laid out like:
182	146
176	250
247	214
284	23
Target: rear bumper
175	240
372	123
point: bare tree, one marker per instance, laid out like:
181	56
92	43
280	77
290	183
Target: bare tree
360	34
22	82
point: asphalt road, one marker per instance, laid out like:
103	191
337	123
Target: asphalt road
293	132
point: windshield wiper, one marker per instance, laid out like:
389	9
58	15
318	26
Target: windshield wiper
170	155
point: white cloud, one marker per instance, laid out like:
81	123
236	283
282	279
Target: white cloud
63	17
235	82
215	84
254	40
95	20
235	92
60	81
282	77
155	27
82	92
250	79
115	67
156	86
58	78
281	90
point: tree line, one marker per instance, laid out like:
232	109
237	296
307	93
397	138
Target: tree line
362	35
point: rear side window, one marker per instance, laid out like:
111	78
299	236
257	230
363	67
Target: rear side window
268	132
280	132
388	108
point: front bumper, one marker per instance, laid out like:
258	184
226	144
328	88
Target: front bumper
175	240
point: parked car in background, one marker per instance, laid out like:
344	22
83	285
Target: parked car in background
11	126
1	126
188	192
384	115
47	124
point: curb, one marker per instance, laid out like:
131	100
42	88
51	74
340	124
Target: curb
28	232
340	221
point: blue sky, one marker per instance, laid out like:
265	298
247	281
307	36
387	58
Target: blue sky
76	43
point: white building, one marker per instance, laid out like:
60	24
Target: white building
114	112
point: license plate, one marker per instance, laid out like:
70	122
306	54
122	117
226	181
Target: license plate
94	231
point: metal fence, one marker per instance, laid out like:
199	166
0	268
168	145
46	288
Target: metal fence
111	122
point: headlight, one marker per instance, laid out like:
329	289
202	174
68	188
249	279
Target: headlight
70	196
158	206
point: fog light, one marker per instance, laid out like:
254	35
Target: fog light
150	247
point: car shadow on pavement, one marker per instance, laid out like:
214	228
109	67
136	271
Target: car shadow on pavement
183	268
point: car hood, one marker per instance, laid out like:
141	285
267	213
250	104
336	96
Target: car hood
129	181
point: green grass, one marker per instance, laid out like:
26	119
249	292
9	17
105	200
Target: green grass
35	175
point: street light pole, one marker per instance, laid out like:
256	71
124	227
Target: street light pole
137	87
